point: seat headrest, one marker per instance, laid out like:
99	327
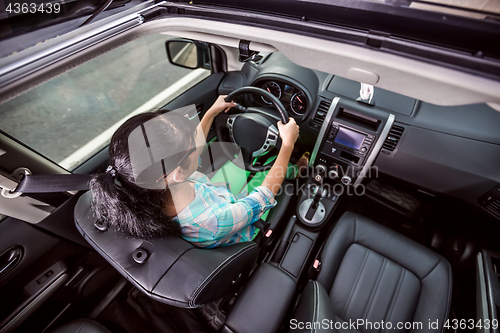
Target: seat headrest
169	269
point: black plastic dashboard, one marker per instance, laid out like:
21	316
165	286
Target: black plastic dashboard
444	150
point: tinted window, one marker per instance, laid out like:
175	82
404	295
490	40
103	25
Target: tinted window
73	116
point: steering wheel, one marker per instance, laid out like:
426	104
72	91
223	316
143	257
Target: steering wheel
254	129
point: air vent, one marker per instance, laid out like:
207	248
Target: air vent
320	115
494	208
491	201
393	138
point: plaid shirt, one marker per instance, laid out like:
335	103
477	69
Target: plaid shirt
216	218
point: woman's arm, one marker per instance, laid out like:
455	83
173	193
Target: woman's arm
289	134
207	120
236	216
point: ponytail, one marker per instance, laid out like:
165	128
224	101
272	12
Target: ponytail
137	212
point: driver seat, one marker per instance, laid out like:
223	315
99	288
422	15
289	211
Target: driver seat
169	269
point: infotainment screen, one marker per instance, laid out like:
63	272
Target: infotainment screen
349	138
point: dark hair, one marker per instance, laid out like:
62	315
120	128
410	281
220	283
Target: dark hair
122	202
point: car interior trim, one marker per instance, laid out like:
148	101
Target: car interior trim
482	292
323	129
402	24
14	67
380	62
376	150
410	77
222	40
26	310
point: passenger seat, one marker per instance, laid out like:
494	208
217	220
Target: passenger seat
374	274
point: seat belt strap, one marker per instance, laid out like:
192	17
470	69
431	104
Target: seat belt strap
262	225
53	183
266	232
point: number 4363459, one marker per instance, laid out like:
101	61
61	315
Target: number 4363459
25	8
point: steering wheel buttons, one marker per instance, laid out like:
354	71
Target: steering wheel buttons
271	137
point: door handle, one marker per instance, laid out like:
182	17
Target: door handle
9	259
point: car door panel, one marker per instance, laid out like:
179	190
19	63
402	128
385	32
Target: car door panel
53	272
24	287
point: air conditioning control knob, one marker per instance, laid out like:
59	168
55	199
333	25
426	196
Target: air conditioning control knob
346	180
321	169
333	174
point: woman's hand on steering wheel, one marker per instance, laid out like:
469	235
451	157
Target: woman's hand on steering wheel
220	105
254	129
289	132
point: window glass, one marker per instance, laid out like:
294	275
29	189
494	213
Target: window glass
71	117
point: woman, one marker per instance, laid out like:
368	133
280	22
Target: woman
181	201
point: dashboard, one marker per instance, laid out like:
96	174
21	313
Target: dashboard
451	151
293	98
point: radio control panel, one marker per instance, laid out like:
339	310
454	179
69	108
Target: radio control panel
349	141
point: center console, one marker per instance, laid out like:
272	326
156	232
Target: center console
350	138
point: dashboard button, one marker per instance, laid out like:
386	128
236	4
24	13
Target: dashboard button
321	169
346	180
329	149
332	174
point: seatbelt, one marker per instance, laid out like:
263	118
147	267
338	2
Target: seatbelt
266	232
262	225
80	182
53	183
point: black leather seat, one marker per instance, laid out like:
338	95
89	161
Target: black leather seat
373	273
169	269
81	326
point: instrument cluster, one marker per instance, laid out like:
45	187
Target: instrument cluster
293	98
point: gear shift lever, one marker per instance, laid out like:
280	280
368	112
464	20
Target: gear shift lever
312	210
319	193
